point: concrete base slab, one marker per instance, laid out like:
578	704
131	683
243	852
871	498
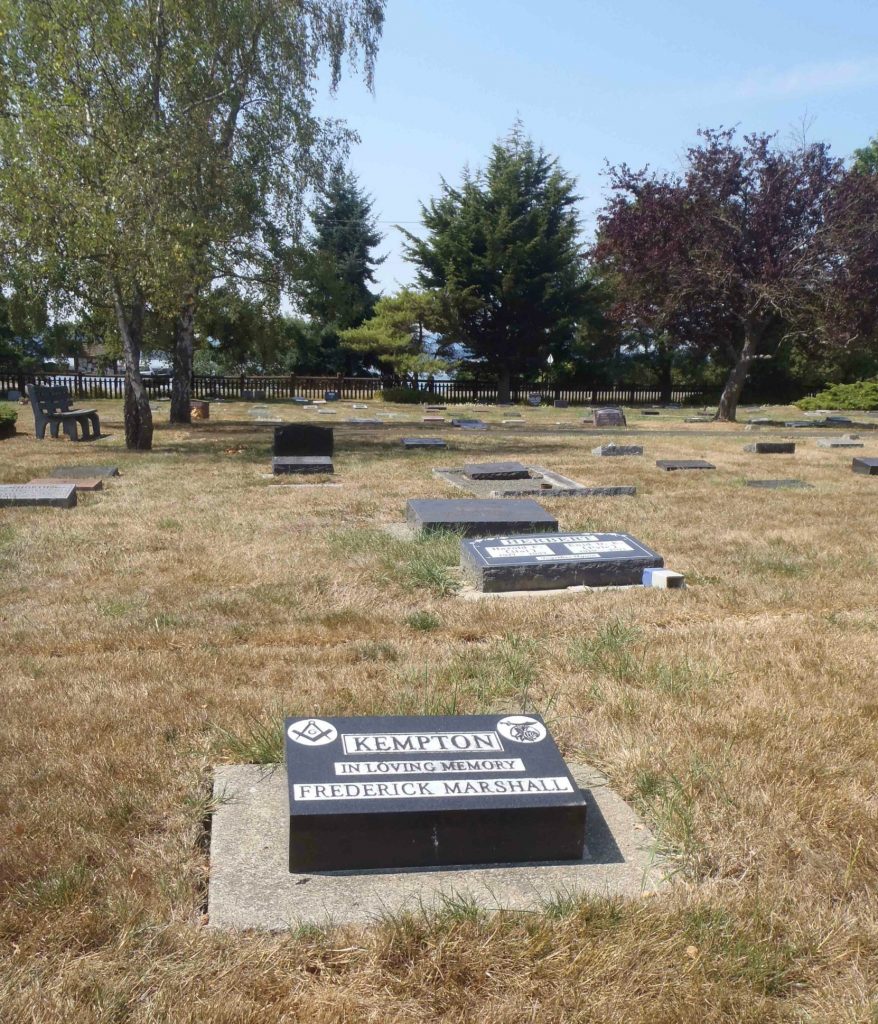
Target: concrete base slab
469	593
540	483
252	887
81	483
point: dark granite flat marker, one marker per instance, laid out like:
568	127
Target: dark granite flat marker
867	466
406	792
650	412
561	403
477	424
59	495
424	442
303	439
772	447
436	408
776	485
479	517
81	483
800	423
672	464
496	471
282	465
556	561
87	471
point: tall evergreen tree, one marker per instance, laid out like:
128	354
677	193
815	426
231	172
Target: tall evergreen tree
503	248
339	264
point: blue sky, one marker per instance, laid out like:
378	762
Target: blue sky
629	82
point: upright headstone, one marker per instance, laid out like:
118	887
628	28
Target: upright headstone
303	439
331	396
534	398
609	417
406	792
556	561
479	517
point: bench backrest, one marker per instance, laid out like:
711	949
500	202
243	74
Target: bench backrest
49	398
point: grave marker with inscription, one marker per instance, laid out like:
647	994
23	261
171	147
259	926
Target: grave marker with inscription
556	561
496	471
57	495
405	792
479	517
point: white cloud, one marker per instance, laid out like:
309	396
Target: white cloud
808	79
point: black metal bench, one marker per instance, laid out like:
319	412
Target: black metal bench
52	407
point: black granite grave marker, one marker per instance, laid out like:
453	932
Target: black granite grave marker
671	464
484	517
286	465
400	792
424	442
303	439
556	561
867	466
771	447
496	471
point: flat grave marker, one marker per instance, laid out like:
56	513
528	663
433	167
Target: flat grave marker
286	465
618	449
674	464
556	561
432	419
464	422
839	442
56	495
778	485
496	471
81	483
407	792
868	467
423	442
771	448
84	471
479	517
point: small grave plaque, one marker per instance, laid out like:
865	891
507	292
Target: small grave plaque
839	442
424	442
463	422
556	561
496	471
282	465
778	485
772	447
561	403
81	483
300	400
86	471
432	419
610	417
436	408
56	495
672	464
799	423
401	792
869	467
483	517
618	449
650	412
302	439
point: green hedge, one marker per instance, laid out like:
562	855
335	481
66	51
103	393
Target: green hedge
408	396
8	416
859	396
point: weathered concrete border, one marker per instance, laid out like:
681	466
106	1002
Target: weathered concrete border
251	886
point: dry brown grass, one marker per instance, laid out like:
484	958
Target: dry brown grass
741	715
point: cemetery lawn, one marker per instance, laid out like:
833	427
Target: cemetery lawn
168	624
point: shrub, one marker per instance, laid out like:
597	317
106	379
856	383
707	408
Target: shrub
863	394
8	416
408	396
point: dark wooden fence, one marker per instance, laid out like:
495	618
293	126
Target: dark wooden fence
249	388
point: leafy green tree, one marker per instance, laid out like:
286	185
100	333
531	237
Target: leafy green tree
502	249
397	337
866	158
150	148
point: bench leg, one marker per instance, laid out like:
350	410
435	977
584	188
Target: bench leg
53	428
40	429
70	429
95	425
